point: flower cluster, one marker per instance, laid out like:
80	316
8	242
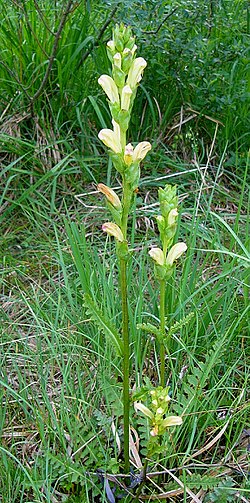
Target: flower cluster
167	224
120	89
157	412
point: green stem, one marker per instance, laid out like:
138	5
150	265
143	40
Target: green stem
125	325
162	330
125	334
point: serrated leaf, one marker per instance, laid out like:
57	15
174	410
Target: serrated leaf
150	329
103	323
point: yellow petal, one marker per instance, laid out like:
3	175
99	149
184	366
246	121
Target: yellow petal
113	230
109	87
157	255
144	410
173	214
135	72
117	60
171	421
175	252
141	150
125	97
111	140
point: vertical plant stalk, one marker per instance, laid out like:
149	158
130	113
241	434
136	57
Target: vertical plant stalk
125	335
162	331
125	326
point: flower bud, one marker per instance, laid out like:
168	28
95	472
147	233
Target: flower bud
110	194
125	98
117	60
128	154
172	216
113	230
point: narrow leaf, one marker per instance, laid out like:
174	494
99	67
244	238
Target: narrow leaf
103	323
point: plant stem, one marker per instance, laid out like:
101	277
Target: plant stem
125	327
143	482
125	334
162	330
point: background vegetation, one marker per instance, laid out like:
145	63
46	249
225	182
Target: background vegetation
60	381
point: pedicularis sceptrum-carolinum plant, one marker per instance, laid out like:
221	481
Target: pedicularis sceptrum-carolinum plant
121	88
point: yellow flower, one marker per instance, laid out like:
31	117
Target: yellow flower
141	150
157	255
125	97
171	421
113	230
135	72
109	87
111	138
138	153
144	410
110	194
175	252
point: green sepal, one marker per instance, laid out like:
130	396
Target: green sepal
118	162
122	250
122	117
132	175
116	214
127	62
118	76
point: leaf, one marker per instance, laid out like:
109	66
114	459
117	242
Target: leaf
150	329
103	323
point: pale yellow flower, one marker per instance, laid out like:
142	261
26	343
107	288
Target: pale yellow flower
175	252
109	87
141	150
111	138
138	153
113	230
110	194
135	72
171	421
157	255
145	410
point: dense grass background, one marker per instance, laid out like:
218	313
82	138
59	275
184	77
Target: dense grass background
60	381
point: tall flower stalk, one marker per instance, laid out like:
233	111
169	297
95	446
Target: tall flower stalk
120	89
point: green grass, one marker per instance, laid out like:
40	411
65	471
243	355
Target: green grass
60	377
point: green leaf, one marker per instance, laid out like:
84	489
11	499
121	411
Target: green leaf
103	323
